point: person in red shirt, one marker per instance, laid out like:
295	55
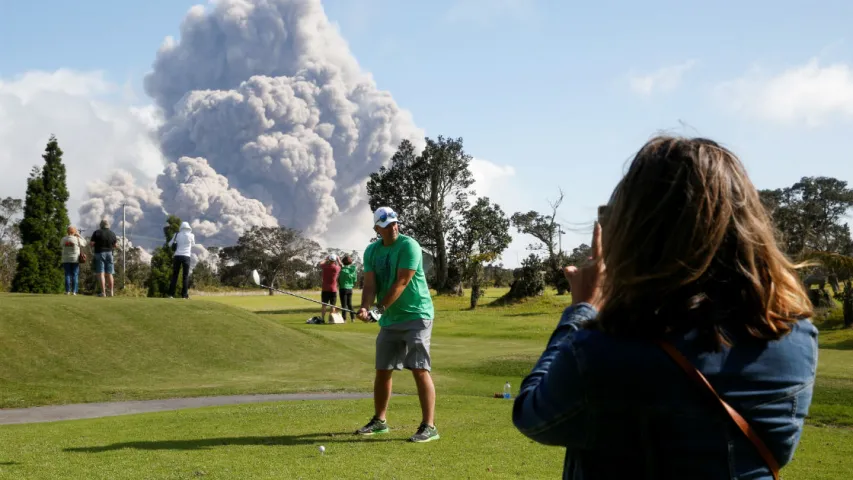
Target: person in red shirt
331	268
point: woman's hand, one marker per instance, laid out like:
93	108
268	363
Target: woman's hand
586	281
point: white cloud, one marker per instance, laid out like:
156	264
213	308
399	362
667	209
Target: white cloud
810	93
664	79
484	11
96	132
28	85
496	182
491	180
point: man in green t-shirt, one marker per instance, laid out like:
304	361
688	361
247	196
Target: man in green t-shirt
394	276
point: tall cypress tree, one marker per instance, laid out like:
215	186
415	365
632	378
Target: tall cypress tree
56	189
43	226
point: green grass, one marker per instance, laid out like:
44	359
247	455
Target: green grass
280	440
60	350
56	349
276	441
474	352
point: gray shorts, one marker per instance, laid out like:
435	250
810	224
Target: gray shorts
404	345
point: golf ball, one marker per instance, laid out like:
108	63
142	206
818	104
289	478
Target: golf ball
322	449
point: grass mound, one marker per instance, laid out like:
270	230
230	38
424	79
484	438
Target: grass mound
58	349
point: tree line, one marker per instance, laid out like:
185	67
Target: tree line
810	217
464	236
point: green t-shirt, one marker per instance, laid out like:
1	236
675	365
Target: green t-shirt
415	303
347	277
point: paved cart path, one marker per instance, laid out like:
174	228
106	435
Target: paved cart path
54	413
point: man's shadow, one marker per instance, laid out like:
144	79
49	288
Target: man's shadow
207	443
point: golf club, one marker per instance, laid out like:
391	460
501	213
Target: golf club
256	278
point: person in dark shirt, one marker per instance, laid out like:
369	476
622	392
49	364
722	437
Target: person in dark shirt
103	242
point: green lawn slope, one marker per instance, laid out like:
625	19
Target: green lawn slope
58	349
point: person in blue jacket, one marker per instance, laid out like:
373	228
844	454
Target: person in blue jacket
683	253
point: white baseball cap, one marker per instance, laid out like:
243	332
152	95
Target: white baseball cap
384	216
333	257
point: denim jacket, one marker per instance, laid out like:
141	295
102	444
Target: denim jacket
624	409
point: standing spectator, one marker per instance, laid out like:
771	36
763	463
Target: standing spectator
103	242
346	282
72	254
182	243
331	268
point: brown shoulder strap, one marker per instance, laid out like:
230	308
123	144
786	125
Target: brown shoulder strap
741	422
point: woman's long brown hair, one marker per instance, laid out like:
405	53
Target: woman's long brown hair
688	245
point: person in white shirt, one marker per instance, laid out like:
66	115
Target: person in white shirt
182	244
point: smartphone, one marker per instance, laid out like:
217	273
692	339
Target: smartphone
603	211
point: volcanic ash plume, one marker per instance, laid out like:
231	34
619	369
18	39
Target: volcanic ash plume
264	99
144	212
218	213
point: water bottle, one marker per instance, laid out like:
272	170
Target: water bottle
507	390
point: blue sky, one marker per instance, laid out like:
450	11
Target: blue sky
562	92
